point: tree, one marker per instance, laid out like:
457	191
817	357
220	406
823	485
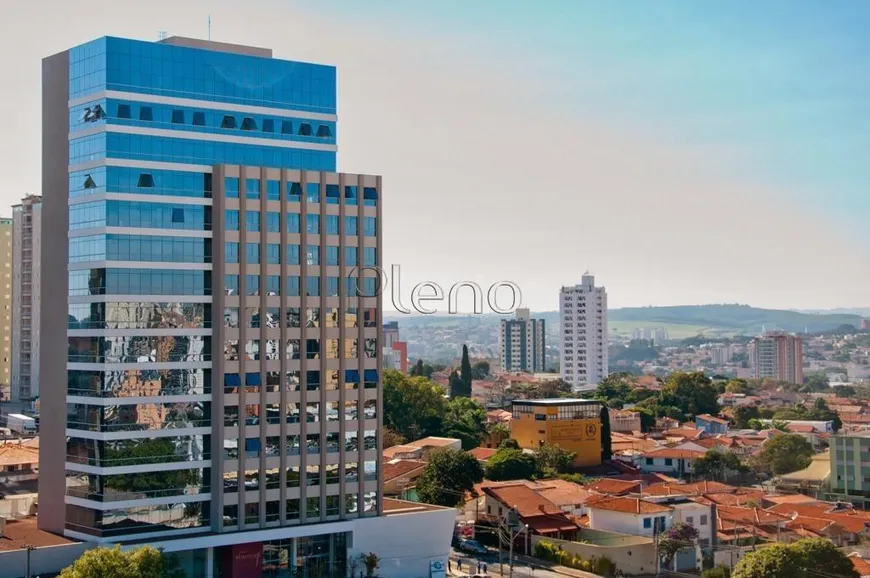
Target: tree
647	418
144	562
784	454
615	385
465	420
422	370
417	370
816	381
676	538
606	440
693	393
720	571
509	443
551	388
510	464
743	414
414	407
499	432
801	559
392	438
737	386
553	460
455	385
717	465
465	372
448	476
480	370
370	561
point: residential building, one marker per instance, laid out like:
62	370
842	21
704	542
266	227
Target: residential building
711	424
778	356
217	347
523	343
583	328
661	336
572	424
850	469
26	282
721	354
521	504
391	333
865	324
6	259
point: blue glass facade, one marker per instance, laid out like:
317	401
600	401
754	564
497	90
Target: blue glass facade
159	237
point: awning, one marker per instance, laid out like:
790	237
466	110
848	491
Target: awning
549	524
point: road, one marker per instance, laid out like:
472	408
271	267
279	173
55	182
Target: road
521	569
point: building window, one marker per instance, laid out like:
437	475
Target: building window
199	119
252	188
647	522
177	215
649	461
146	181
177	116
351	195
304	129
268	125
228	122
123	111
703	519
333	195
249	123
231	220
324	131
231	252
252	221
286	127
231	186
145	113
294	192
669	462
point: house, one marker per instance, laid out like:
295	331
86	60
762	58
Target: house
670	460
612	487
862	566
711	424
400	475
520	505
483	454
624	421
628	515
569	497
420	449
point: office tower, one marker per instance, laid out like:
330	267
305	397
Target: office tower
26	241
779	356
5	306
222	388
523	343
583	320
391	333
647	333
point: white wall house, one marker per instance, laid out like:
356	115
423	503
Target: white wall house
672	461
629	516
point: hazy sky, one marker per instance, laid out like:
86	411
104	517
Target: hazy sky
685	152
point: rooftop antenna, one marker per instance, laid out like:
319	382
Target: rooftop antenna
161	35
209	27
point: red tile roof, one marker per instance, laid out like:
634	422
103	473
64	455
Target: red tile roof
614	487
749	515
713	418
20	533
400	468
677	489
627	505
674	453
526	500
861	565
483	454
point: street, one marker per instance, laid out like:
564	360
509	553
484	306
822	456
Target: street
521	569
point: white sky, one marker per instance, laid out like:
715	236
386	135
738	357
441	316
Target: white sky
484	180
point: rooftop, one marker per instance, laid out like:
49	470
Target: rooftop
556	401
628	506
399	468
20	533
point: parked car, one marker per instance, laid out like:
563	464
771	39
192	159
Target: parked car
472	547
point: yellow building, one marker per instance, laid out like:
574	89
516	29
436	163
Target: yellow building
572	424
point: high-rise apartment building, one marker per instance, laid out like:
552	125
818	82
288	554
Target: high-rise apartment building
583	321
523	343
26	282
5	305
223	377
779	356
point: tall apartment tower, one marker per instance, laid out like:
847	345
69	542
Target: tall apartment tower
222	384
5	306
26	254
523	343
583	322
778	356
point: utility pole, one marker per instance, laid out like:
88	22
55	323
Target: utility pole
29	549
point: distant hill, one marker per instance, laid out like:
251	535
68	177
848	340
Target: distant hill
735	318
728	318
